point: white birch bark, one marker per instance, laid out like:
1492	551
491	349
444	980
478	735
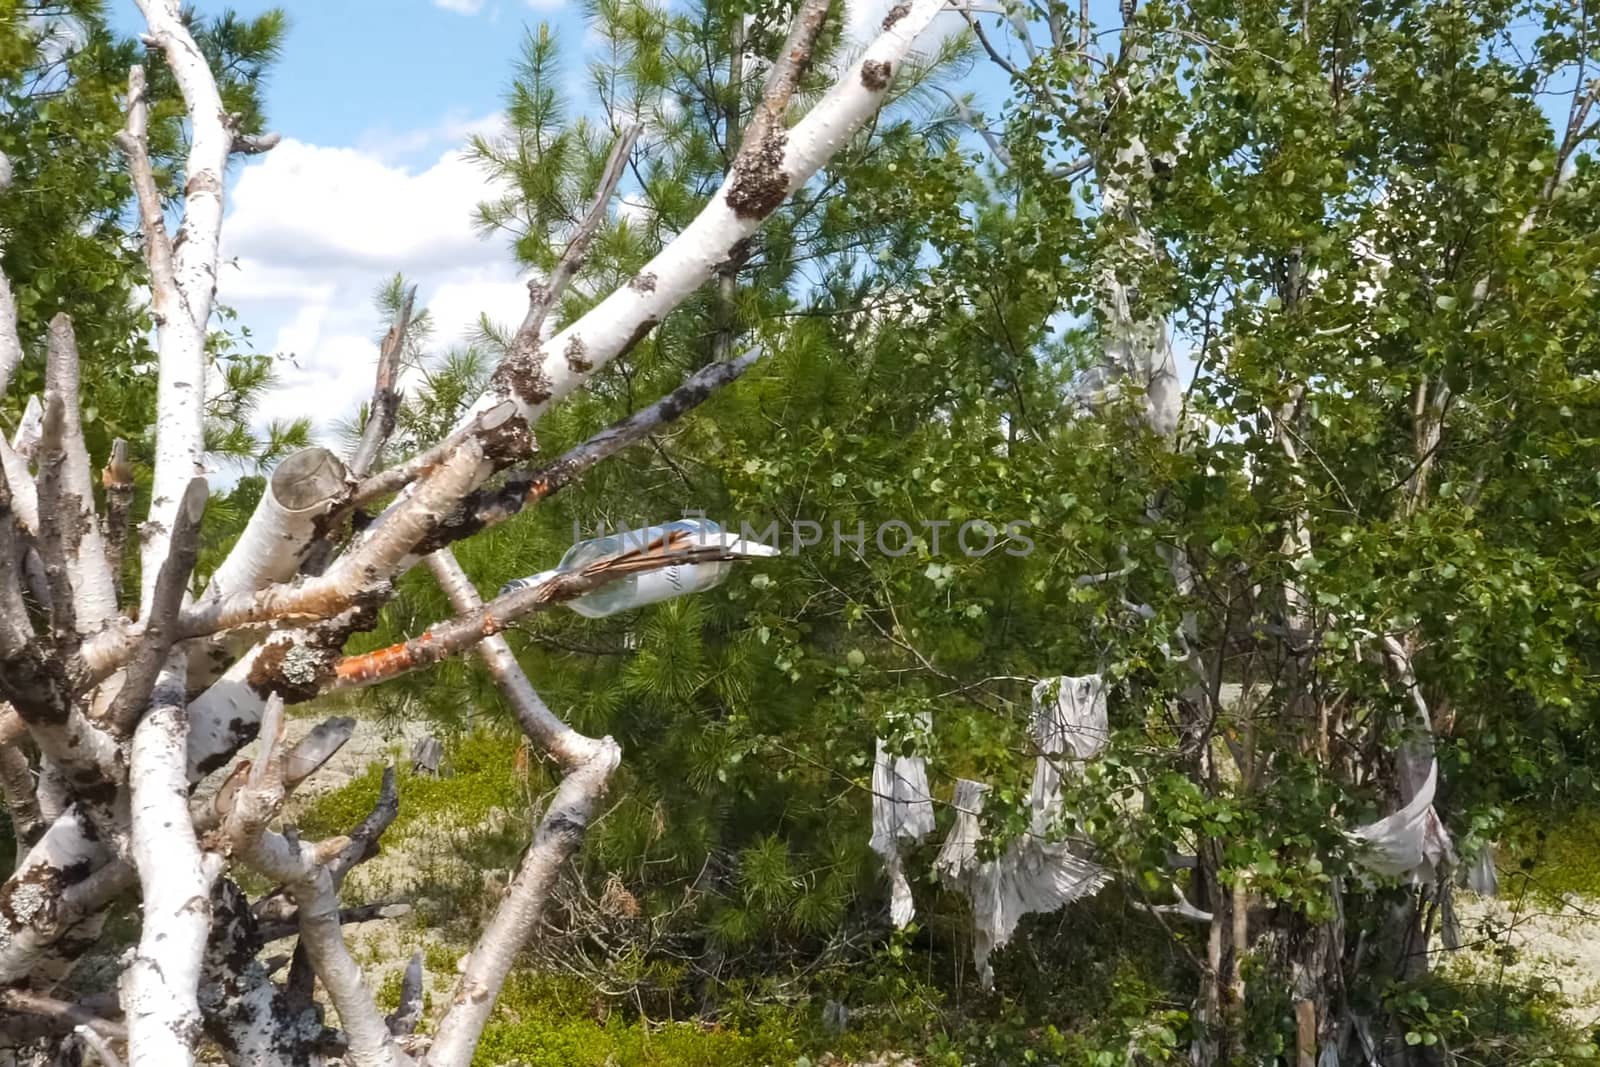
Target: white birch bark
560	832
159	988
303	870
181	297
303	489
93	592
778	163
10	343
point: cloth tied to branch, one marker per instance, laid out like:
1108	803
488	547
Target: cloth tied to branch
902	811
1412	843
1034	873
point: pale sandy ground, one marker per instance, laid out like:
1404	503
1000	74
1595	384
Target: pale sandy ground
1556	942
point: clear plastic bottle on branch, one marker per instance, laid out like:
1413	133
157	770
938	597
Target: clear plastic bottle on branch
652	586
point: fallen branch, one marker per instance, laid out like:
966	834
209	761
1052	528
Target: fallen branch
491	506
365	913
160	986
558	837
59	1016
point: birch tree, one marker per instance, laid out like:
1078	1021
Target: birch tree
129	700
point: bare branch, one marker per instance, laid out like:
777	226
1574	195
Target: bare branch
365	913
255	144
97	1044
408	1013
117	480
521	489
182	293
56	896
95	598
362	571
53	544
315	749
35	683
24	495
772	162
159	987
538	722
309	882
784	77
457	635
134	142
161	625
385	405
10	343
363	840
16	787
560	833
545	295
60	1016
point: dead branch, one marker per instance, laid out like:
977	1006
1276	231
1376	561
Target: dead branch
117	480
298	865
543	296
384	407
160	986
183	271
53	1015
17	789
52	543
95	596
407	1014
365	913
160	626
560	833
457	635
538	722
490	506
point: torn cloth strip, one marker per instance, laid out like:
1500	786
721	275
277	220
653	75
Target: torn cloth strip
902	811
1411	843
1034	873
1069	726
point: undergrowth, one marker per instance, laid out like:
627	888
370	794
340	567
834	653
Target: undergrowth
479	778
1101	984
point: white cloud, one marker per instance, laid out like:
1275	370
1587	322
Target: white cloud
460	7
313	231
451	132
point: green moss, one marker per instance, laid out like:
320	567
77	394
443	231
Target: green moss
1559	852
550	1022
480	776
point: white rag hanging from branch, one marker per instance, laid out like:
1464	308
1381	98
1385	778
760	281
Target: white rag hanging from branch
1412	843
1034	874
902	811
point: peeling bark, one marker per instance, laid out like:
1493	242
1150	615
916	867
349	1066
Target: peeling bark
159	987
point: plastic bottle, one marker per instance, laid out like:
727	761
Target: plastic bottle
635	590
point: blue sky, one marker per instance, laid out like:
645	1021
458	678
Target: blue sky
360	71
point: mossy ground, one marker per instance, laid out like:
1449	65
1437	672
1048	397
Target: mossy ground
1559	853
